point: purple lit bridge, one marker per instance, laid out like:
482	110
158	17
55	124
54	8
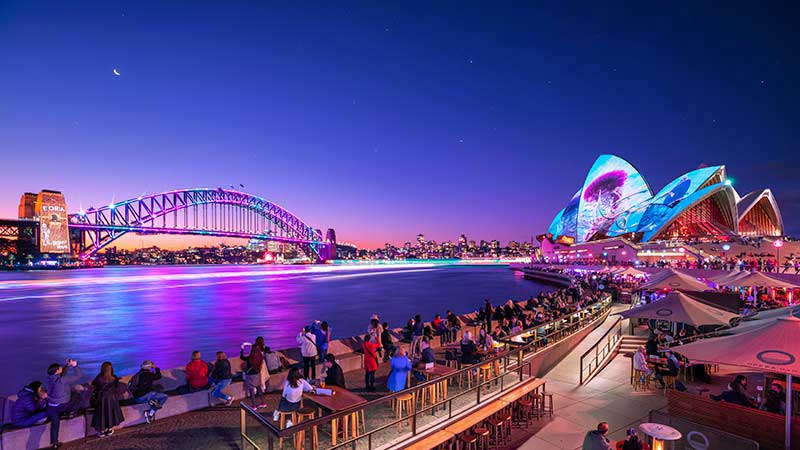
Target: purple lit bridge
205	212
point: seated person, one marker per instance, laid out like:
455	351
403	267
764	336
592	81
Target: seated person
640	361
632	441
196	373
775	401
671	370
334	376
469	351
29	409
737	394
292	394
142	390
426	356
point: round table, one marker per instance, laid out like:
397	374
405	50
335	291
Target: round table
660	434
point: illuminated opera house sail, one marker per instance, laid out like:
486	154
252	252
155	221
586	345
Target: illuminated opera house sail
615	201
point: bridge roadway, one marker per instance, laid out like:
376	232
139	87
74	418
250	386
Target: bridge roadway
608	397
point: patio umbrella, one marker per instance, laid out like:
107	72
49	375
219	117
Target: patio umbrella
679	307
724	278
673	280
772	348
631	272
760	280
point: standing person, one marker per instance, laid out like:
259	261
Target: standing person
597	439
30	407
399	374
253	365
292	394
454	323
60	398
417	332
141	388
196	373
386	342
376	331
488	310
370	348
106	392
308	348
321	336
221	378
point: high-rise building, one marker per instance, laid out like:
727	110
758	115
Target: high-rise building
27	206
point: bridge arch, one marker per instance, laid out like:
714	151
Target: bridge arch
208	212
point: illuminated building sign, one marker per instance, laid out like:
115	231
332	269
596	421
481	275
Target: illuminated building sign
51	208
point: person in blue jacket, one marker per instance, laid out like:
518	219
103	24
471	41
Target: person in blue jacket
401	365
29	409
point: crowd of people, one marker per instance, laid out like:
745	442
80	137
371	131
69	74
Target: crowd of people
57	398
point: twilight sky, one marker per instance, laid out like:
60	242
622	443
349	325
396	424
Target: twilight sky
385	120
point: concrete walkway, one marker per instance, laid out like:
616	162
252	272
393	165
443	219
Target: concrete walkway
608	397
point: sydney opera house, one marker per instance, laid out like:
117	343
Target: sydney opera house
616	205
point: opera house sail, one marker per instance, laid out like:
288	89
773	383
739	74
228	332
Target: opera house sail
616	201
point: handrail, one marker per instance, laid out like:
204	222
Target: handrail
555	322
612	342
515	354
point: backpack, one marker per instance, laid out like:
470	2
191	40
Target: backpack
256	360
133	383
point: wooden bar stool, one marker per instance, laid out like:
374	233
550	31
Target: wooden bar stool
404	404
506	426
524	412
304	414
669	383
547	404
485	375
483	437
283	416
496	432
468	441
640	380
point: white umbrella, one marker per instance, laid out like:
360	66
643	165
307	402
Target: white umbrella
630	271
679	307
725	278
759	279
774	347
672	280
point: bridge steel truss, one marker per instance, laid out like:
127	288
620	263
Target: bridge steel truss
209	212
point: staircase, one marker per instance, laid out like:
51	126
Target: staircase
629	344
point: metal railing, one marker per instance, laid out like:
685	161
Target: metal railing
509	368
598	354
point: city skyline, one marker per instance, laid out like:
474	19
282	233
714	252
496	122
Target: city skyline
352	119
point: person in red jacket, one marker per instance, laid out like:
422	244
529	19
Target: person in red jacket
196	373
370	361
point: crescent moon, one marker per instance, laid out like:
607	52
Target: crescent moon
116	72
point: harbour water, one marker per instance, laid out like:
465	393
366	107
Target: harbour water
128	314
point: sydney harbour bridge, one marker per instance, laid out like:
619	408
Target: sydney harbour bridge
205	212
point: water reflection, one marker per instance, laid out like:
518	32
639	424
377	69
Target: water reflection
126	315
